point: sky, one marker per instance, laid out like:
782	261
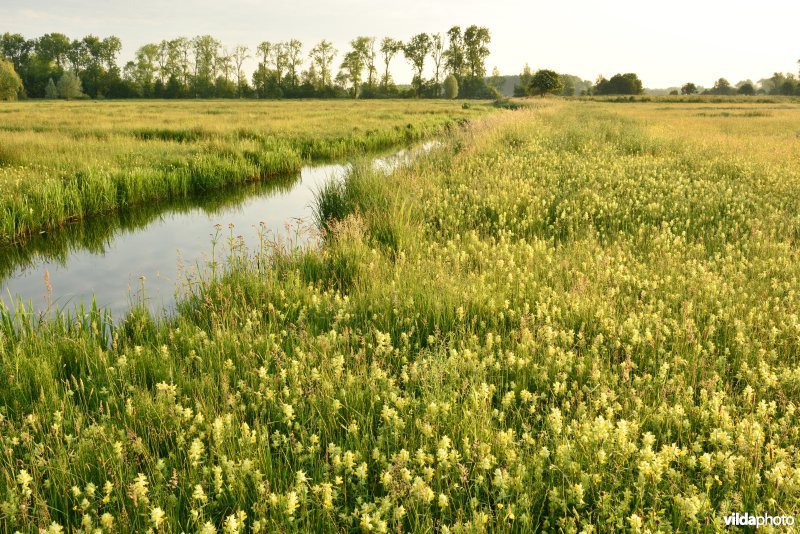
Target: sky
666	43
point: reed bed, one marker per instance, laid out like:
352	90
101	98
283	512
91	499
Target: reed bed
61	161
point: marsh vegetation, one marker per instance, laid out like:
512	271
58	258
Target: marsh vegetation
577	316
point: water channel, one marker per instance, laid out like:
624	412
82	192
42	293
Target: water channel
160	245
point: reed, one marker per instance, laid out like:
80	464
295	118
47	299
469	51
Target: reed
62	161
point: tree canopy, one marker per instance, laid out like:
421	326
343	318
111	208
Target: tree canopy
619	84
546	81
10	82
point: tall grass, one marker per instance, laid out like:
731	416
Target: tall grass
582	321
65	161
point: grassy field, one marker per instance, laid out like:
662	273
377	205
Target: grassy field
577	317
63	161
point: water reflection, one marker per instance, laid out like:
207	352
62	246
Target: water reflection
107	256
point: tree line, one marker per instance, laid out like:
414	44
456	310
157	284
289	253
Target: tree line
546	81
55	66
786	84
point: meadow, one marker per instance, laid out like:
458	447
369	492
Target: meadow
573	317
63	161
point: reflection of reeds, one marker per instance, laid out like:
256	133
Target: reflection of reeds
94	234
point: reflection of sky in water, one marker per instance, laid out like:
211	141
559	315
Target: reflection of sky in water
157	249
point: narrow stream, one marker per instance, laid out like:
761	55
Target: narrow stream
107	256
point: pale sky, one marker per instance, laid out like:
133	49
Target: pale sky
667	43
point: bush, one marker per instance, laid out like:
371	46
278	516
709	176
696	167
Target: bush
69	86
451	87
50	91
10	82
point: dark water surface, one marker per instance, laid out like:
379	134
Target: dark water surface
107	256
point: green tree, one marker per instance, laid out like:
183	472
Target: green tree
416	50
522	88
95	61
496	82
267	76
240	54
179	65
351	70
223	67
206	54
619	84
143	70
10	82
546	81
53	47
293	51
50	91
437	55
17	49
321	59
69	86
451	87
476	50
722	87
454	55
366	47
689	89
568	85
389	48
747	89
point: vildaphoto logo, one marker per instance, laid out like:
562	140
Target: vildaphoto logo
747	520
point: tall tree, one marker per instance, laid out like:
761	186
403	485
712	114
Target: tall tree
294	50
416	50
206	52
321	59
17	49
280	59
95	61
182	50
352	68
77	56
389	48
454	55
366	47
476	50
264	52
143	70
162	60
54	47
224	64
240	55
437	53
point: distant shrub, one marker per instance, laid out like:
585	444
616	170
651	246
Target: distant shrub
69	86
451	87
